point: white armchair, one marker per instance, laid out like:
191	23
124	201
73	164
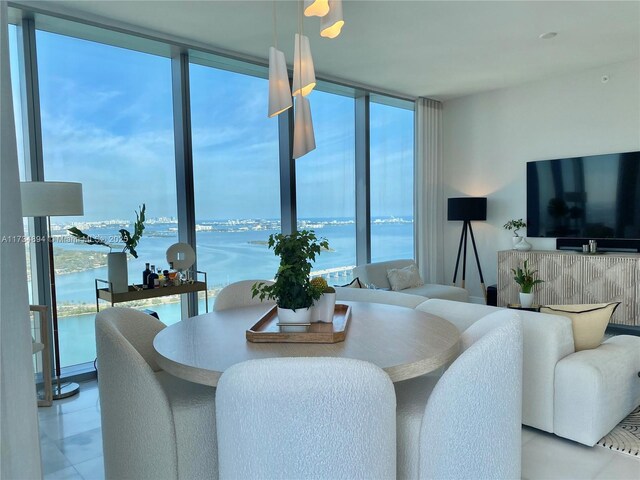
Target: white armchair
154	425
474	408
238	294
331	418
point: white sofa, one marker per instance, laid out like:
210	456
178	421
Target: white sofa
576	395
376	274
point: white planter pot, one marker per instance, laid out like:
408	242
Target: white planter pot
514	242
323	310
299	315
117	272
526	300
523	245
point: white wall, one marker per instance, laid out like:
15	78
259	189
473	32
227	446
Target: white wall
489	137
19	446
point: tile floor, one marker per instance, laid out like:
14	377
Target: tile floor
72	447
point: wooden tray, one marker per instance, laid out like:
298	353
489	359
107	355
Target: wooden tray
267	330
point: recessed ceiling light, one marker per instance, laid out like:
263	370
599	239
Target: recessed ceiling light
548	35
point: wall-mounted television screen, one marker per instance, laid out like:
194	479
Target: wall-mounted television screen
585	197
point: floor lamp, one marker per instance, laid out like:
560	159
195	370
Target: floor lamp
467	209
53	199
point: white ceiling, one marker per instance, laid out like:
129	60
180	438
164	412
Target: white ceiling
436	49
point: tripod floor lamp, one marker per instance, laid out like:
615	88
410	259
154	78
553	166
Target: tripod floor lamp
51	199
467	209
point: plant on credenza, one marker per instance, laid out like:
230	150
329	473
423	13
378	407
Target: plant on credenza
525	277
292	289
117	261
518	242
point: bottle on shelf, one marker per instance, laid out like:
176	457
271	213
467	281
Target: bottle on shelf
173	275
156	279
145	275
152	278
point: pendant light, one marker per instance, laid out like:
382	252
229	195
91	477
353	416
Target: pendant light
304	77
331	24
304	139
279	93
316	8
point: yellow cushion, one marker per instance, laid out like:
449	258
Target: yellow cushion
589	321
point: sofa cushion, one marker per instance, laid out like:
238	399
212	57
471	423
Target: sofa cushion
589	321
402	278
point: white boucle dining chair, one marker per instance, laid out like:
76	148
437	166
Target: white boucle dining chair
467	423
154	425
306	418
238	294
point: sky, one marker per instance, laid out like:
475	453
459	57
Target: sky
107	123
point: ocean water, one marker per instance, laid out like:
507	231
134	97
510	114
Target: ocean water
228	251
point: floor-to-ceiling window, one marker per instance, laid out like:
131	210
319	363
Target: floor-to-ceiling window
325	184
106	123
392	176
236	175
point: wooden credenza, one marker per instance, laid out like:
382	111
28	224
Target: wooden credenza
572	277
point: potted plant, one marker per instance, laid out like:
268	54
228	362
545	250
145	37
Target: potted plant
117	261
515	225
526	279
325	307
292	290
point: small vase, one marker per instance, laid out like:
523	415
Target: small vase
324	308
117	272
526	300
514	242
299	315
523	245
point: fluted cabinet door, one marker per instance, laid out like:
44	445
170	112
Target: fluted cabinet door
572	278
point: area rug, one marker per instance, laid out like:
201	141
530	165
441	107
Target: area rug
625	437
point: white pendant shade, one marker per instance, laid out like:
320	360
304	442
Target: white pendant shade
303	138
316	8
279	93
331	24
304	77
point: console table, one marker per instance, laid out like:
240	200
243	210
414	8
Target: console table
573	277
136	292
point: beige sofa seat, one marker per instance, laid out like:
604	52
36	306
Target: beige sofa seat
376	274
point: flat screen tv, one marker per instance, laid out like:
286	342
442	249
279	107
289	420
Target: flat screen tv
585	197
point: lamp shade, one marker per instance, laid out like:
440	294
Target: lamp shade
304	76
331	24
51	199
303	138
467	208
316	8
279	93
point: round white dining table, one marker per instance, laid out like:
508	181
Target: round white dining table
404	342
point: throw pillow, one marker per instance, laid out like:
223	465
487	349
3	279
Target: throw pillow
355	283
588	321
407	277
